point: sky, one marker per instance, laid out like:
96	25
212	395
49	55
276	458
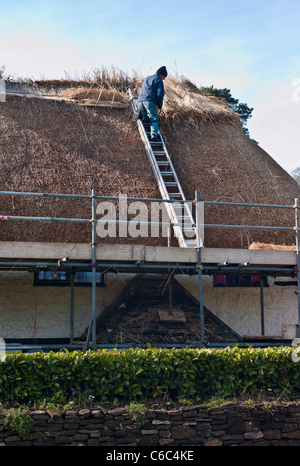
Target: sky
251	47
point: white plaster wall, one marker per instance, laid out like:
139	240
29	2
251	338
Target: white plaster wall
28	311
240	308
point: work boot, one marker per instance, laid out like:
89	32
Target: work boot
155	138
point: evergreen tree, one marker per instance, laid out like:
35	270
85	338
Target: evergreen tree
296	174
241	109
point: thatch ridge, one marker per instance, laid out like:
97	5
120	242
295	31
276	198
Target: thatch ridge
183	100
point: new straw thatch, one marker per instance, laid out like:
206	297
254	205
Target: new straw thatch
184	102
62	147
272	247
95	96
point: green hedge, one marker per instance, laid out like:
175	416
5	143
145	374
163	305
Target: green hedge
145	373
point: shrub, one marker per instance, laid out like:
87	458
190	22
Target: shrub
20	421
140	374
137	412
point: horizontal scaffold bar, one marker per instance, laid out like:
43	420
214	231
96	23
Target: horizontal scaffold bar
86	196
181	268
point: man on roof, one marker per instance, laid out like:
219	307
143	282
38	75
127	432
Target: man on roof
151	99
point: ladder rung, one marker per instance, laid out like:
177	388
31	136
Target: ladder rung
161	162
148	133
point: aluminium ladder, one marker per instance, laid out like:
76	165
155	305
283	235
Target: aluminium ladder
179	212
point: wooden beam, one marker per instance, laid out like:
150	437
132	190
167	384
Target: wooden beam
104	252
148	254
251	256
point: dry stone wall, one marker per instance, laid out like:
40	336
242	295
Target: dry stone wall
196	425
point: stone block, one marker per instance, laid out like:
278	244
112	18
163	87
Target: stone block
236	425
116	411
215	442
272	434
292	435
92	442
255	434
63	440
83	413
80	437
44	442
288	427
54	414
180	432
166	441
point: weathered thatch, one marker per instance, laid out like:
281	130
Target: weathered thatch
60	147
220	161
55	147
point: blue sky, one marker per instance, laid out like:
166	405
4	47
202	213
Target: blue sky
251	47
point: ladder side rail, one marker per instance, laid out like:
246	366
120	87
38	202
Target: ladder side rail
170	209
146	141
165	195
186	209
158	175
152	160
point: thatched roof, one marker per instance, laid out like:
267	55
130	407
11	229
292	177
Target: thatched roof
62	147
226	166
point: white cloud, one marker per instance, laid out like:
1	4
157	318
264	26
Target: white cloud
275	125
27	55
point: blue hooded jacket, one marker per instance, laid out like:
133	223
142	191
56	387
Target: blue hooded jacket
153	90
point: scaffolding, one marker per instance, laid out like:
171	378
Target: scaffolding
198	268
